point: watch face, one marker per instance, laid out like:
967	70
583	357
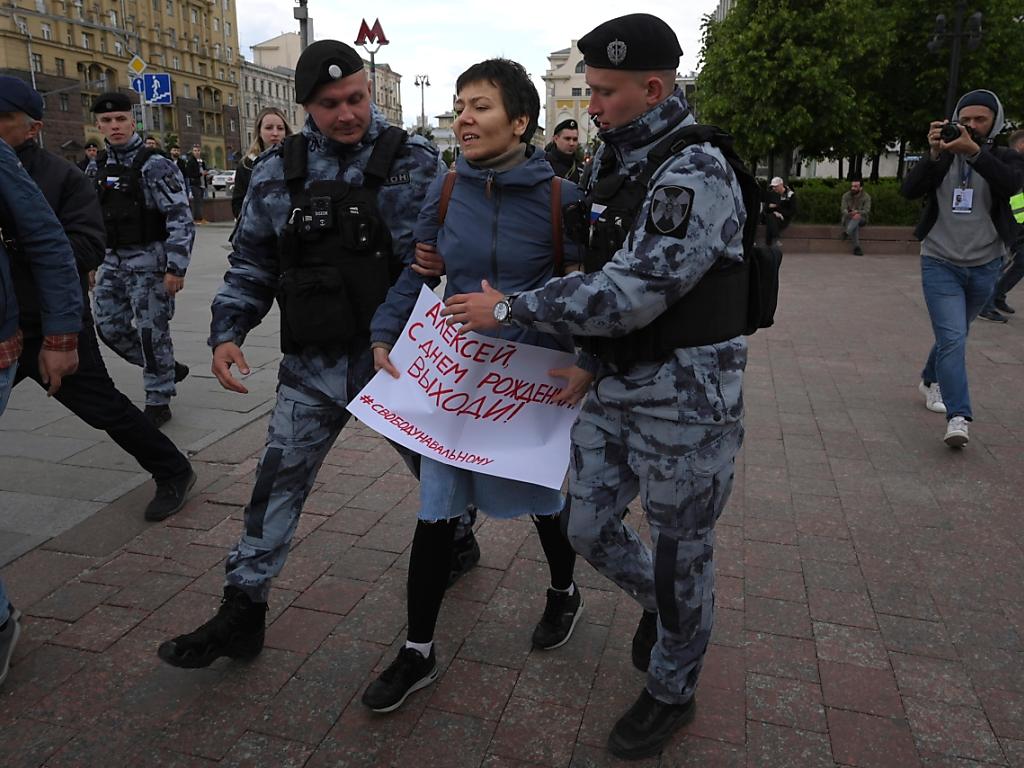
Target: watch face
501	310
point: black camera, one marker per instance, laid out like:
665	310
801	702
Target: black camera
950	132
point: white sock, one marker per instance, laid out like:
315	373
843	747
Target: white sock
422	648
570	591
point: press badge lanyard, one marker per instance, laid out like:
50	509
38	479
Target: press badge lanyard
963	196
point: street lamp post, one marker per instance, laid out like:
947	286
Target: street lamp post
302	15
973	35
422	81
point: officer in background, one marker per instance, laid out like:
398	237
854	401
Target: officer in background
329	218
90	163
90	394
561	152
664	420
149	243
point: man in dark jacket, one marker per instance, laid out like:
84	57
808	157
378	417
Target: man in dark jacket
965	229
90	394
561	152
91	163
195	175
779	207
28	224
1014	271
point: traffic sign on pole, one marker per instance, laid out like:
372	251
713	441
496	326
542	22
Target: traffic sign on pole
136	66
138	84
157	88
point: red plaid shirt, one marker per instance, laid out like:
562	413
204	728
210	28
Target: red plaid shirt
10	349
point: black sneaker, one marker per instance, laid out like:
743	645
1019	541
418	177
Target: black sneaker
1002	306
858	251
644	638
170	496
236	631
158	415
559	620
180	372
464	558
408	673
9	634
992	316
647	726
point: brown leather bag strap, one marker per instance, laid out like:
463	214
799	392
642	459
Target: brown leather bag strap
556	224
446	196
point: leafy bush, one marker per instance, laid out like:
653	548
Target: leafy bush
818	202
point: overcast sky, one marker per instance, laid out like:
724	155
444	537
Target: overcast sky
441	40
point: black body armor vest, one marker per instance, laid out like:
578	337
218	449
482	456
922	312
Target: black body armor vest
336	257
127	219
725	303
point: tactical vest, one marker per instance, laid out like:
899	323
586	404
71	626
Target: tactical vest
1017	206
730	300
336	257
127	219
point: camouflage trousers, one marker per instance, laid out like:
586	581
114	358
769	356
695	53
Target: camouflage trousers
312	393
133	317
683	474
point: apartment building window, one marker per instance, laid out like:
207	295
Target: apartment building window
232	126
227	28
103	42
216	24
113	18
195	16
156	5
176	62
581	67
47	32
216	50
86	41
188	119
586	92
231	99
277	89
577	91
221	73
68	38
231	53
170	7
65	103
60	66
37	62
195	43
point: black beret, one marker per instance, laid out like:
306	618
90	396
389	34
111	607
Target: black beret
91	145
324	62
638	42
567	125
112	102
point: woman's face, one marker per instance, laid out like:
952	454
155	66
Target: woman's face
482	127
271	130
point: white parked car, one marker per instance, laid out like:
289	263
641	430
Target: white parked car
224	180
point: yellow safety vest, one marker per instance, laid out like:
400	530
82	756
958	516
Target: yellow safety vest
1017	206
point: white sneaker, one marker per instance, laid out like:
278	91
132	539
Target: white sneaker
932	396
956	432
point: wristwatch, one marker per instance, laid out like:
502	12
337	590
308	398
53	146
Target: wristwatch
503	310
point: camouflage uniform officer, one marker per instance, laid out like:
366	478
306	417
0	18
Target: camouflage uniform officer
665	426
326	227
149	241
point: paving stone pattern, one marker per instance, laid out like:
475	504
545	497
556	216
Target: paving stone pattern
870	590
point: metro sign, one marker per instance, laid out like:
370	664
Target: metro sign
368	34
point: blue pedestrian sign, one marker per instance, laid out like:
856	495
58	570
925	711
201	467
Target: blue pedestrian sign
157	88
138	84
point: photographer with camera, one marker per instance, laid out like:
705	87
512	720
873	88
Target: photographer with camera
965	229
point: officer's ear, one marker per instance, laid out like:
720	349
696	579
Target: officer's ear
657	86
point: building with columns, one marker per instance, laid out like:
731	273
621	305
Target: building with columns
73	50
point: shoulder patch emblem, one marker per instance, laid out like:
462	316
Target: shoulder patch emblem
171	182
670	211
397	178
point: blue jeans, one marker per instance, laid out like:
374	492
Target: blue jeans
954	295
6	383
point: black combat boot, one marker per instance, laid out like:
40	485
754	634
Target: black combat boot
236	631
644	638
646	727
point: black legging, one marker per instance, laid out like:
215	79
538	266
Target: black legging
431	560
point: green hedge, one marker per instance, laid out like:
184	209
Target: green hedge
818	201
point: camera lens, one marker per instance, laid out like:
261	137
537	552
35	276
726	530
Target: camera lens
950	132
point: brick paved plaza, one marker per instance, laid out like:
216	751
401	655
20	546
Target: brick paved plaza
870	592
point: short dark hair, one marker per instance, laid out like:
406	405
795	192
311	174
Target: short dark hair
518	93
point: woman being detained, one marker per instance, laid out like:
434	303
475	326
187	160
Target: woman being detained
496	226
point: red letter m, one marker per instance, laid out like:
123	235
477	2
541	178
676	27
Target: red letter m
374	34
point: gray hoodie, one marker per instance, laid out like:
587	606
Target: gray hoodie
965	239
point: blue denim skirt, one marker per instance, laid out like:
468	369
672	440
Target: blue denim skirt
446	491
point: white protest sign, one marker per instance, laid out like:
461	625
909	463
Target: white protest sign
472	401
